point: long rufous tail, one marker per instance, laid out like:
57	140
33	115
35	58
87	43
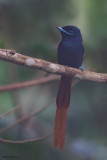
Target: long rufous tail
63	103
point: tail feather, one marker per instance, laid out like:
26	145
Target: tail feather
62	127
56	128
64	92
63	102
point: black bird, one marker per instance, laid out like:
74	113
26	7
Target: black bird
70	53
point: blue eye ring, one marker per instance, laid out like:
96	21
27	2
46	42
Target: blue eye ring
71	32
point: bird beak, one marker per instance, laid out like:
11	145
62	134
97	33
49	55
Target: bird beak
59	28
62	30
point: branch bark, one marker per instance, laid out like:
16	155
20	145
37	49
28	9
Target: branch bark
13	57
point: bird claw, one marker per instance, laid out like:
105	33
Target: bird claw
81	69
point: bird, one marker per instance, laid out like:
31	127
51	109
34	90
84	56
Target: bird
70	53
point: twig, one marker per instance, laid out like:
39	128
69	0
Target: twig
26	140
13	57
11	110
15	86
26	118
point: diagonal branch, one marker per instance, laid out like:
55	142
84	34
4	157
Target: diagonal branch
8	112
23	119
13	57
15	86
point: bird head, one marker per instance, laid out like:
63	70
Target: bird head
70	32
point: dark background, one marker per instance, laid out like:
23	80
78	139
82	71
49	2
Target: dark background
29	27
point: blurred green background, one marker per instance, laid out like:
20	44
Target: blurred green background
29	27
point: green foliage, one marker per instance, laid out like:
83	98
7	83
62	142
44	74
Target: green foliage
2	43
96	19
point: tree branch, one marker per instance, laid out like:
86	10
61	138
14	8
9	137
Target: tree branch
10	111
13	57
15	86
26	140
23	119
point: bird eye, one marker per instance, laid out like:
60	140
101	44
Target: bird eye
71	32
